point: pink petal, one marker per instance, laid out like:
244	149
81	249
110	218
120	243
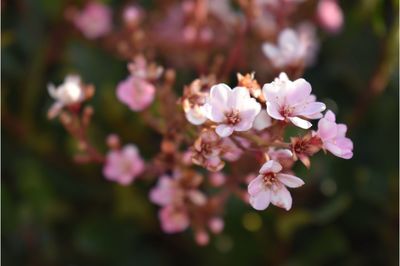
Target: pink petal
282	198
290	180
255	186
288	39
224	130
237	97
262	120
261	200
271	167
341	130
329	115
326	129
271	51
299	91
273	110
310	109
300	122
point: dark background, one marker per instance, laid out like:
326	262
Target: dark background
55	212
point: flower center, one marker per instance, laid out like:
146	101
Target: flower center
286	111
232	117
269	179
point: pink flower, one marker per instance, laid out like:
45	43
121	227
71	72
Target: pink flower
216	225
333	136
233	110
330	15
94	20
136	93
123	166
292	101
166	192
173	220
292	48
270	187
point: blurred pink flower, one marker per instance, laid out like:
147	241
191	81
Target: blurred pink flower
166	192
330	15
94	21
293	47
132	15
173	219
124	165
136	93
202	238
270	187
292	101
333	136
216	225
233	110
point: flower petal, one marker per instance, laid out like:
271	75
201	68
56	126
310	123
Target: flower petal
255	186
273	110
300	122
261	200
290	180
281	198
271	167
298	91
224	130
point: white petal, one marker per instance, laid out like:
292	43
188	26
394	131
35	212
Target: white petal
224	130
300	122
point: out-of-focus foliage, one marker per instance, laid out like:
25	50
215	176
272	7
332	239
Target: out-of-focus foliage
57	213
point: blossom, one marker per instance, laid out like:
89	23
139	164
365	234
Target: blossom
68	93
292	48
292	101
173	219
166	192
178	190
333	136
270	187
94	20
233	110
330	15
136	93
123	166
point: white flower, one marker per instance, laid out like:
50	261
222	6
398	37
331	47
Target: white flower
233	110
69	92
292	101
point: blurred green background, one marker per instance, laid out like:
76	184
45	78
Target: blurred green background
55	212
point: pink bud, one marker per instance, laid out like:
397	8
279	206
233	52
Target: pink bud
113	141
217	179
202	238
330	15
216	225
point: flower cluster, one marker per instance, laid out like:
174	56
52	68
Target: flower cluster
214	137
